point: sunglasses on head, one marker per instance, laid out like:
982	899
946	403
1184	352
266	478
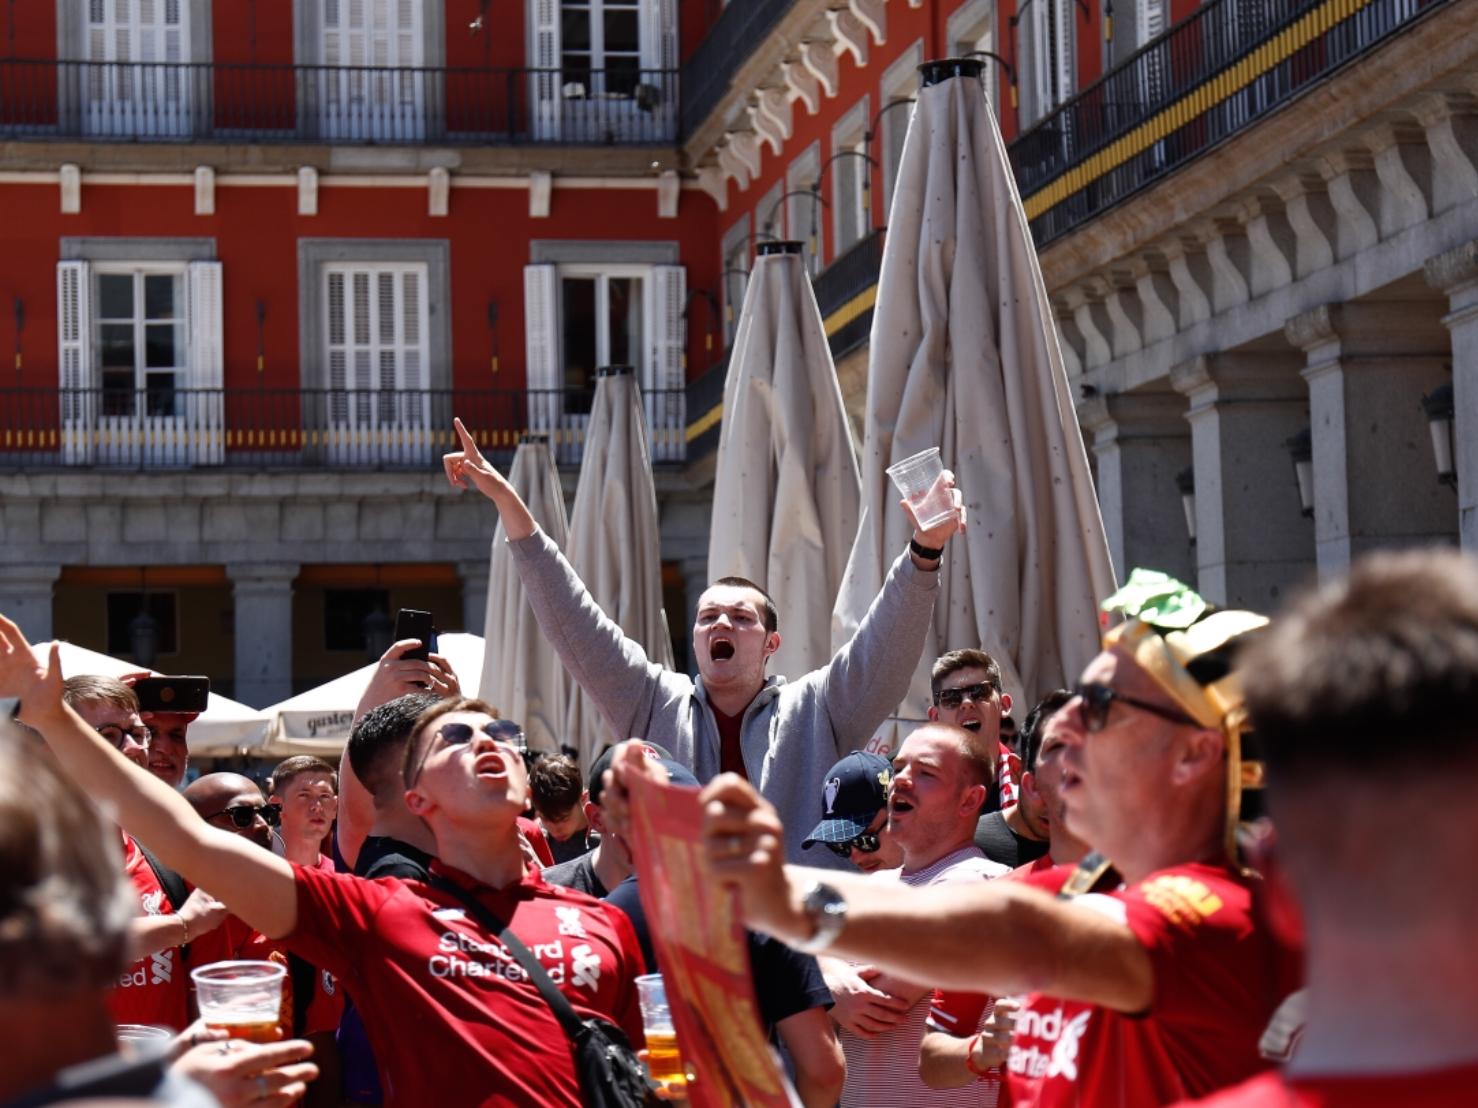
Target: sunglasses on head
953	698
502	731
1096	699
244	815
865	843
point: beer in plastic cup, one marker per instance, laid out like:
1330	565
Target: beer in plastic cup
917	479
663	1060
244	999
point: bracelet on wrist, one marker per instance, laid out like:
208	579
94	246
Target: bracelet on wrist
185	927
970	1057
928	553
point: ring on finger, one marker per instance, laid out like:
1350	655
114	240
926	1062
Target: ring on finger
263	1090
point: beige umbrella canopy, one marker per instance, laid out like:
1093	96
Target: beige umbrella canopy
785	496
521	676
965	357
614	543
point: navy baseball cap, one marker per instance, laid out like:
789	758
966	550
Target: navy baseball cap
595	786
854	791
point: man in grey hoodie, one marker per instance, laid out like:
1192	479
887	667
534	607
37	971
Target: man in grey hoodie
780	735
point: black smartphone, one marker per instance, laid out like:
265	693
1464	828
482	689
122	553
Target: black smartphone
413	624
172	694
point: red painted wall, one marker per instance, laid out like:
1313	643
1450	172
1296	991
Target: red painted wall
257	230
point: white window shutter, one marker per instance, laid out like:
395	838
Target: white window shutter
1062	51
206	406
1151	19
74	360
658	36
541	346
544	58
667	376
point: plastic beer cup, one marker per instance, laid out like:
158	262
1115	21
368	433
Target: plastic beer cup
663	1060
917	479
244	999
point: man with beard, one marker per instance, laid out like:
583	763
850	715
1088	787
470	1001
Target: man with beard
733	718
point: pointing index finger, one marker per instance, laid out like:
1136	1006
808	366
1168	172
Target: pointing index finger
468	443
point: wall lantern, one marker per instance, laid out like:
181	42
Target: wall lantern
1438	405
1185	481
1301	450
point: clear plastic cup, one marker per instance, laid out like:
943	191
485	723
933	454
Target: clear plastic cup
663	1060
918	480
143	1040
243	999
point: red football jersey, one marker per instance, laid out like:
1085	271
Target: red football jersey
1219	975
154	989
1449	1088
452	1018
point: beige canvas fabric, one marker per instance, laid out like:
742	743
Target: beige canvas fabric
521	676
786	493
965	357
614	545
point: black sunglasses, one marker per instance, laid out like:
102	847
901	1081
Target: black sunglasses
953	698
244	815
1096	699
865	843
459	734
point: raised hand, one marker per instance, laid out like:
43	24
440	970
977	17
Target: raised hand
38	685
937	536
467	467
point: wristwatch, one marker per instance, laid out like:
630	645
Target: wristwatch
928	553
827	909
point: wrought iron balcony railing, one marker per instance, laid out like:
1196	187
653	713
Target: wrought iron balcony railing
1227	65
300	428
168	101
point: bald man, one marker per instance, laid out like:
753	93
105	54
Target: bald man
234	803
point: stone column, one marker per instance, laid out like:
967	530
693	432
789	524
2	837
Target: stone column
1141	441
1252	542
474	577
263	596
25	597
1374	482
1456	274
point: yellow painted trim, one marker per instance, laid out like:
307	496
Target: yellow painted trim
1230	81
704	422
851	310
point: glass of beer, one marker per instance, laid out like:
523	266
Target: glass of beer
143	1040
664	1062
244	999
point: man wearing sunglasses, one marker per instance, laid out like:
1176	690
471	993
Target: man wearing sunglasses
155	989
234	803
413	955
1138	997
780	731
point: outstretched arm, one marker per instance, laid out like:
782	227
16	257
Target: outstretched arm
254	883
468	467
997	937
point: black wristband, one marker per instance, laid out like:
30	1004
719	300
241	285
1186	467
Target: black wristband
928	553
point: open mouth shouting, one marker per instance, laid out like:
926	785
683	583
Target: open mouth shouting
720	649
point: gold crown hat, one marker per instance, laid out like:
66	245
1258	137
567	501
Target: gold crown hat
1190	650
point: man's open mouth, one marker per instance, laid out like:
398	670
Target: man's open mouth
970	724
900	805
720	650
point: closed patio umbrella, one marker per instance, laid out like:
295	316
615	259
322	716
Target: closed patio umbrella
223	729
614	544
786	492
521	676
965	357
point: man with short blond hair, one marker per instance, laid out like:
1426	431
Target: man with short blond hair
307	788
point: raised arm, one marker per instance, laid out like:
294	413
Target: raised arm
612	668
997	937
870	674
254	883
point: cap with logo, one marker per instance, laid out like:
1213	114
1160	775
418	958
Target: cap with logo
596	784
853	792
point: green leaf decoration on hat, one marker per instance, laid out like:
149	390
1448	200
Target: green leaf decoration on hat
1158	599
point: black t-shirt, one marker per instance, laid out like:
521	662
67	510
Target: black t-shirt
994	836
578	874
566	850
786	982
382	856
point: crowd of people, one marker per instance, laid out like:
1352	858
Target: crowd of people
1186	877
